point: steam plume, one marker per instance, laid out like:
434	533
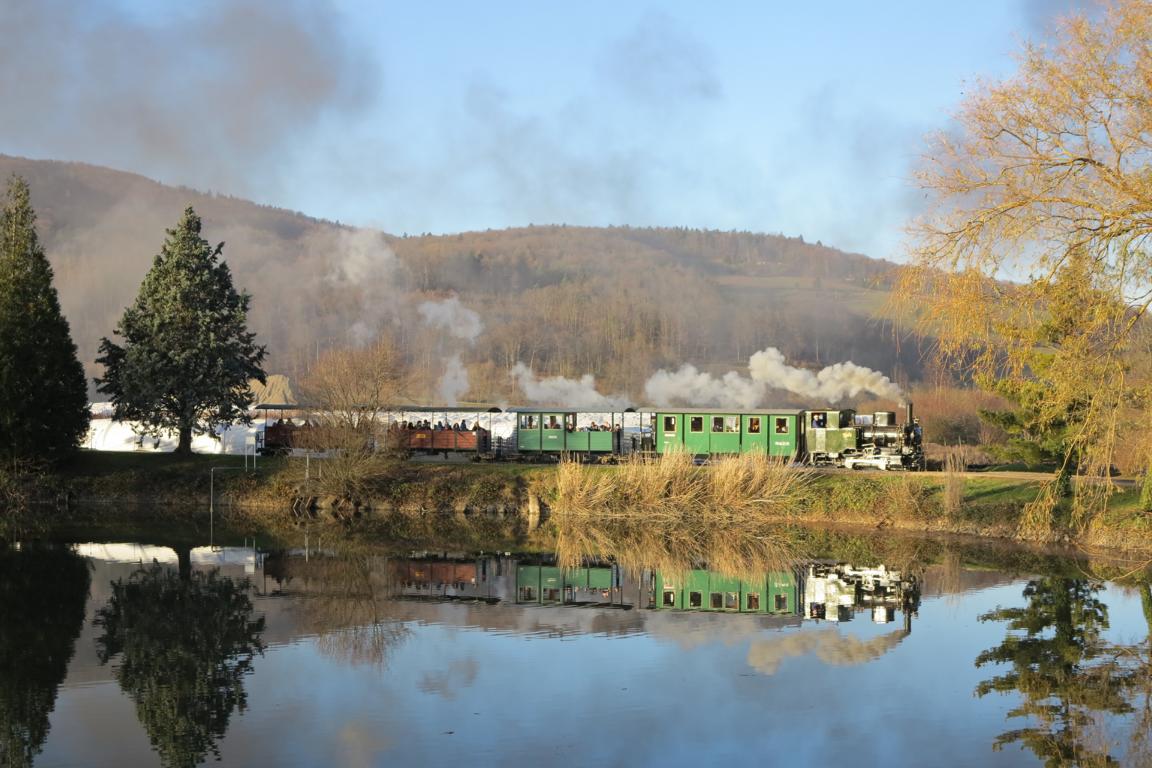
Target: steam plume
830	384
557	390
767	370
454	317
454	382
367	266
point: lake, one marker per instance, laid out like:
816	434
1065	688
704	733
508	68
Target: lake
880	652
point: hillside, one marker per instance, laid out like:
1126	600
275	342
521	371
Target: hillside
617	302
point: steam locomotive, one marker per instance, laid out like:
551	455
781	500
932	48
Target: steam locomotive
833	437
818	437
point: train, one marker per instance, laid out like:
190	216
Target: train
824	437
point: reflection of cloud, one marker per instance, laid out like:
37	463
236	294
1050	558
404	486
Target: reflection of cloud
445	683
361	744
829	645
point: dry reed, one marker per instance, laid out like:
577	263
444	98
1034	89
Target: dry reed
954	483
668	514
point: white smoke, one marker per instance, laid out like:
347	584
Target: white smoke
363	263
689	386
830	384
557	390
454	382
452	316
767	370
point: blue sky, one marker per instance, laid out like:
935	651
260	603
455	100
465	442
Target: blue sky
800	118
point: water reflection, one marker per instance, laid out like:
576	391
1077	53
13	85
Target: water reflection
1073	682
344	601
43	590
184	642
469	648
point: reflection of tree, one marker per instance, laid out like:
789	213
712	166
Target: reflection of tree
346	604
42	596
1069	678
185	645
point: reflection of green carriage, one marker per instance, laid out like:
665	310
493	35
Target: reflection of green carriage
698	590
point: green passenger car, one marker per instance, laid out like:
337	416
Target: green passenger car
544	584
774	432
774	593
561	431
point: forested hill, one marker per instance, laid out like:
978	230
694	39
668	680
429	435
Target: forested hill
616	302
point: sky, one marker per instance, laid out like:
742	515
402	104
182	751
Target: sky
796	118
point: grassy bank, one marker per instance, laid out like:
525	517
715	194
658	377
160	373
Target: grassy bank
392	496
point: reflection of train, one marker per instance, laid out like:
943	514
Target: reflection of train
835	592
826	437
814	590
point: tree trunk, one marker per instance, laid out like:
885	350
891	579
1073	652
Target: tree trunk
184	446
184	562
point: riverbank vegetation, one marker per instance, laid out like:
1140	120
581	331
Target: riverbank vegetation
408	498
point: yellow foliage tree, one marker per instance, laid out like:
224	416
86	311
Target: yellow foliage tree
1047	173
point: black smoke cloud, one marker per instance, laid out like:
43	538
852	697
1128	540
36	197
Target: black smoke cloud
208	94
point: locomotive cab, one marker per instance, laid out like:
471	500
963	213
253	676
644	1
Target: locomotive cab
829	436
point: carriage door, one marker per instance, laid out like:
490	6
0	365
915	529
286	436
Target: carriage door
669	432
552	433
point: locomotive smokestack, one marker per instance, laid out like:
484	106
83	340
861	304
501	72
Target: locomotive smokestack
908	412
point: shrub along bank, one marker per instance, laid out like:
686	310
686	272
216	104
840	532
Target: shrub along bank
286	491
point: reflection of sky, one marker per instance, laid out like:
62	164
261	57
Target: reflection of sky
681	693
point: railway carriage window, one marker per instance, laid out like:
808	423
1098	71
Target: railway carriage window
527	595
669	423
754	425
695	599
669	598
819	420
717	600
528	421
696	424
781	602
753	601
553	422
731	601
717	423
781	426
570	422
731	423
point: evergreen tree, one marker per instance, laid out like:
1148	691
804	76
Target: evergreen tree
185	643
187	355
43	395
43	591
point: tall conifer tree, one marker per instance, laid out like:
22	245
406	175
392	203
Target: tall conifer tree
187	355
43	394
